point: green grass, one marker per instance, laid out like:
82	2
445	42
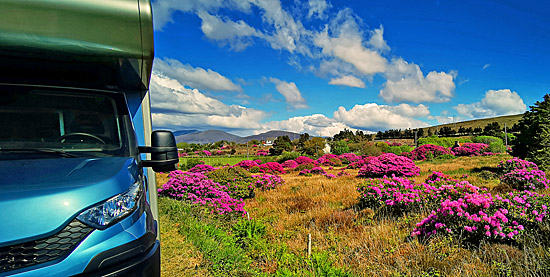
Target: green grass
220	254
216	160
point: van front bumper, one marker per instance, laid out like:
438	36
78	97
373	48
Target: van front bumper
127	260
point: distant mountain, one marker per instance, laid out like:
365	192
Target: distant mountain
271	135
208	136
211	136
184	132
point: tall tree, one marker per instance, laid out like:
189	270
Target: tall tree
533	140
280	144
314	146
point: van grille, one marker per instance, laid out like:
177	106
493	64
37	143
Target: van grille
43	250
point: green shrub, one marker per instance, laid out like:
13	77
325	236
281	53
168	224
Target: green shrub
288	156
397	150
445	142
445	157
339	147
495	144
189	163
304	166
238	180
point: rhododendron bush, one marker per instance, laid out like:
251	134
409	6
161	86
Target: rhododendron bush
428	151
470	149
522	175
388	164
198	189
460	209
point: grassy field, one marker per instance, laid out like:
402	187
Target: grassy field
345	241
218	160
510	120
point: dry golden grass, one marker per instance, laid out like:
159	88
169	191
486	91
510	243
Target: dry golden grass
360	240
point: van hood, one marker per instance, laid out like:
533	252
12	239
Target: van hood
39	197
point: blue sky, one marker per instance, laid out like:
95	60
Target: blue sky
249	66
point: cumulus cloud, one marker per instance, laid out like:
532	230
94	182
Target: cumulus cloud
194	77
174	105
317	125
317	7
377	40
495	103
291	93
164	9
373	117
406	83
347	44
237	34
349	81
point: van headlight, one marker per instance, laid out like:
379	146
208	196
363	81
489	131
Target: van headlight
114	209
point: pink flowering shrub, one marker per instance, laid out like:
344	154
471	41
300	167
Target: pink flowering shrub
267	182
247	164
388	164
182	154
317	170
399	194
198	189
360	163
329	160
202	168
514	164
305	172
470	149
206	153
476	217
428	151
526	179
290	164
262	152
272	167
304	160
348	158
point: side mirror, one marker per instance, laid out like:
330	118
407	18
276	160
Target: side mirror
164	152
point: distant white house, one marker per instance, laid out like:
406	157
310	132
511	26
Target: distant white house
268	143
326	149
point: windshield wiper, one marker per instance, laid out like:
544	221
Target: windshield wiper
40	150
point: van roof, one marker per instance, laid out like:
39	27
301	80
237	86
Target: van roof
104	44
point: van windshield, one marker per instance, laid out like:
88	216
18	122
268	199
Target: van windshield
46	123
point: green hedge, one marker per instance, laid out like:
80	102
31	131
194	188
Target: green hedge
445	142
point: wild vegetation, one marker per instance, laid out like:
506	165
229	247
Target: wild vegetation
385	209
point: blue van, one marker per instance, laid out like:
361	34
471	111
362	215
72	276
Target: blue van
77	191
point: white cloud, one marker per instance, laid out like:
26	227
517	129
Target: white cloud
291	93
347	45
174	106
406	83
349	81
237	34
373	117
495	103
317	125
443	119
377	40
485	66
164	9
194	77
317	7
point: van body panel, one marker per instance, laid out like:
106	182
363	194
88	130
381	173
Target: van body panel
38	197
